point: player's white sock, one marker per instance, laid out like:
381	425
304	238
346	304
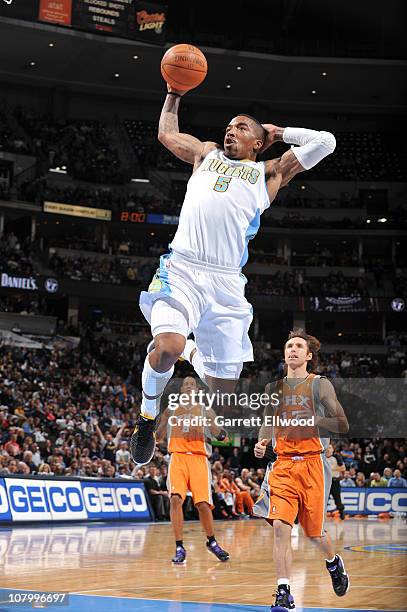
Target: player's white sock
153	384
284	581
196	361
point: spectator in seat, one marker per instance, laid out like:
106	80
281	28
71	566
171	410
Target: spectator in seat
347	481
224	492
123	471
159	499
45	468
397	480
28	460
360	480
387	473
243	499
215	455
245	483
377	481
123	454
233	462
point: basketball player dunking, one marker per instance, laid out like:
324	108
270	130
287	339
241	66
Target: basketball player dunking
299	481
189	468
198	287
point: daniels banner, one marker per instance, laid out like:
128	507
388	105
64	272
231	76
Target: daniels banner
29	283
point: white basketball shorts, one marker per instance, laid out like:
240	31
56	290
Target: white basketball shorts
213	303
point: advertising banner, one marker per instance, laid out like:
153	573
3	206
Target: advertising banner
64	499
55	11
353	303
372	501
134	19
125	18
29	283
100	214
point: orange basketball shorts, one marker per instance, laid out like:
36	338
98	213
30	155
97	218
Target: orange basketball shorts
190	472
296	485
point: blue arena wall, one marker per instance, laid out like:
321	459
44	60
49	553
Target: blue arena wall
53	499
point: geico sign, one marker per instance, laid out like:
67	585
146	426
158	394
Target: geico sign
372	501
384	501
39	500
108	499
31	499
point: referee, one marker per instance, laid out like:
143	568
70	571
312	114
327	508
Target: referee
337	467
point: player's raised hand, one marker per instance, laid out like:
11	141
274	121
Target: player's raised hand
274	134
176	91
260	448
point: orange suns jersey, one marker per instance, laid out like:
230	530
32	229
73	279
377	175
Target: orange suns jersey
187	432
298	402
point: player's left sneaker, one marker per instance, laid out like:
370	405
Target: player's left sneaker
284	601
219	553
339	577
142	442
180	556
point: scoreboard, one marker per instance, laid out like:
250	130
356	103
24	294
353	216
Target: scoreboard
135	19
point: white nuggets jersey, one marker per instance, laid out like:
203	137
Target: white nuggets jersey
221	211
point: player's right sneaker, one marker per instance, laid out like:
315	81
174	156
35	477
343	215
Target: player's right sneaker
142	442
284	600
180	556
339	577
219	553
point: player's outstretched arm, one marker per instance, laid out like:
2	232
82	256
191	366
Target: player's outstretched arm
216	431
334	420
309	148
184	146
266	431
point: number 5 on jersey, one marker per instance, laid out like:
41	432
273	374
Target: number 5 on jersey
222	183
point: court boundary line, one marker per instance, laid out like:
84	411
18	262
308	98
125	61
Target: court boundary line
221	603
228	603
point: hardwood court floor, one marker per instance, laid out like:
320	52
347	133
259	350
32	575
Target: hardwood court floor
127	567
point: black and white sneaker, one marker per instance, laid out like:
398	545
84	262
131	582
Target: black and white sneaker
339	577
218	551
180	556
142	442
284	600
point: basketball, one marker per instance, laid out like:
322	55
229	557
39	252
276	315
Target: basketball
184	67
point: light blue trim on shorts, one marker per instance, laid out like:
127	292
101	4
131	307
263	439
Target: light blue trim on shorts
250	234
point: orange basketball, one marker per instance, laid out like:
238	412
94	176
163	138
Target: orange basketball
184	67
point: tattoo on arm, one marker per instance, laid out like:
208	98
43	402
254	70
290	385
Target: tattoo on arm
169	116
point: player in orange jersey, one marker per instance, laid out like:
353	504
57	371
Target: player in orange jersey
189	428
299	481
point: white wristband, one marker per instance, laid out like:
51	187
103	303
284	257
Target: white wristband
313	145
